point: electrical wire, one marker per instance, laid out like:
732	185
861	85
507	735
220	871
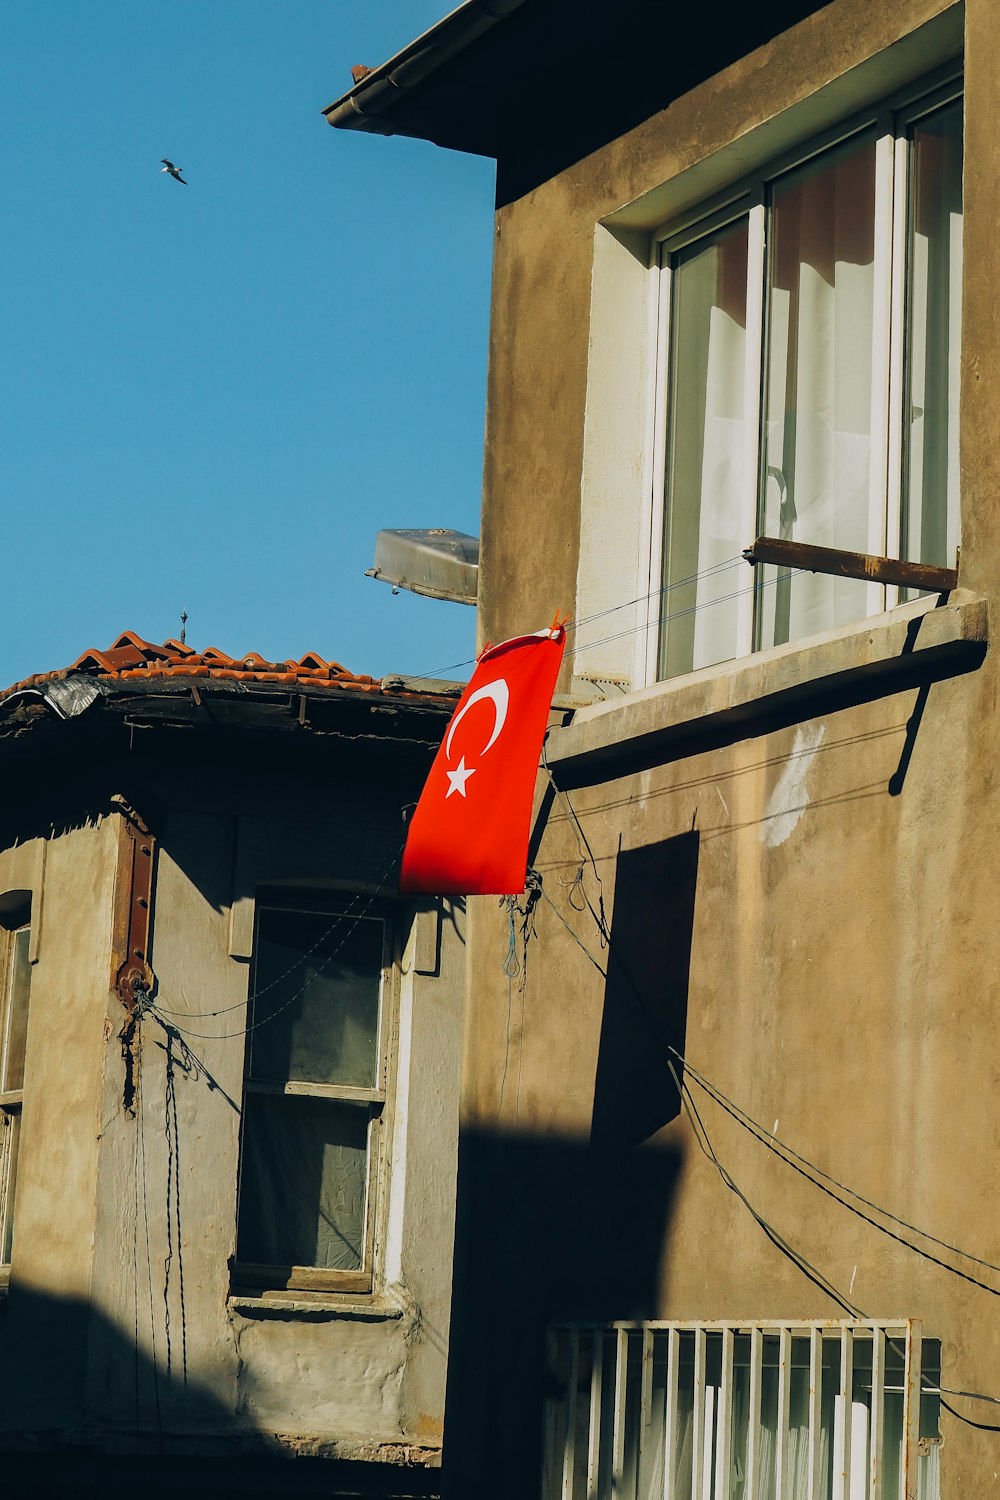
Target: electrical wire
149	1259
204	1015
255	1025
810	1169
600	614
704	1141
705	1145
586	853
807	1268
785	1153
692	609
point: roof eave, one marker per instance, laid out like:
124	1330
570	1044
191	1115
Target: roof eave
376	103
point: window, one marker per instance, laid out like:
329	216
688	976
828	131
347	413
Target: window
15	976
315	1097
805	1411
810	383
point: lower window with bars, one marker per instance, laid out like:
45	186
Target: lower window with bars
840	1410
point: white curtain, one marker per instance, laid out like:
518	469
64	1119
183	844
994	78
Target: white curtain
707	446
818	416
931	512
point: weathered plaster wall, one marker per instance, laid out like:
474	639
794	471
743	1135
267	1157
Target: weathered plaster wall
72	887
126	1222
844	969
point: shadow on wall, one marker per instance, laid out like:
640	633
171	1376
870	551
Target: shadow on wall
646	994
551	1230
167	1440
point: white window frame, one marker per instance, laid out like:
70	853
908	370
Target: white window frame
890	122
261	1277
612	1428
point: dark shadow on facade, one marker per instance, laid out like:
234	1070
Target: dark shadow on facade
646	994
56	1443
549	1230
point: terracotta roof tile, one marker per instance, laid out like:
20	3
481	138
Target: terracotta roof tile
132	658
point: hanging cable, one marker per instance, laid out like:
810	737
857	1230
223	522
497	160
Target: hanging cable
705	1145
149	1258
704	1141
204	1015
809	1169
577	883
255	1025
600	614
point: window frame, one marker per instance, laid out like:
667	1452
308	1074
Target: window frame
259	1277
11	1100
891	121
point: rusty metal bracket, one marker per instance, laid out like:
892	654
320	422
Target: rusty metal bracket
134	973
864	565
133	977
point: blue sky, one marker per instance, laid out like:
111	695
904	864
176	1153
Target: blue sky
212	396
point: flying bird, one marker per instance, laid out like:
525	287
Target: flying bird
168	166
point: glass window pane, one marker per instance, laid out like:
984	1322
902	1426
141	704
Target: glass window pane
707	429
304	1182
320	978
934	289
14	1015
818	385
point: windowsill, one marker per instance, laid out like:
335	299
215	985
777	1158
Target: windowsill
913	644
317	1307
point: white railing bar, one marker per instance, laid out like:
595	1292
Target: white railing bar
813	1490
784	1404
894	1327
552	1412
724	1419
569	1438
594	1443
755	1413
864	1328
711	1393
698	1415
911	1412
618	1435
644	1447
670	1414
877	1431
847	1411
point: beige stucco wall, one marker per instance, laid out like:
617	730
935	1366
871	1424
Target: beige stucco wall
105	1199
71	880
845	966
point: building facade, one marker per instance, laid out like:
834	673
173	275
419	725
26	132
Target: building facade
727	1156
230	1063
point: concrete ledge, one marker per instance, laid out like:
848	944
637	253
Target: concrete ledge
322	1310
907	646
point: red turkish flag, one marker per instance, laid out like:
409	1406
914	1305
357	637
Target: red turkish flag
469	832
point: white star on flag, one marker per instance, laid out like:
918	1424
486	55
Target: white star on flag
458	778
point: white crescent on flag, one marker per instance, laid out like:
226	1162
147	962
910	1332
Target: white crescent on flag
498	694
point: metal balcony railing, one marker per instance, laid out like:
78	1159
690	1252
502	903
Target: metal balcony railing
840	1410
